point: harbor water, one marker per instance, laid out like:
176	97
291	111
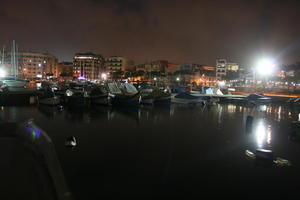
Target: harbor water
176	151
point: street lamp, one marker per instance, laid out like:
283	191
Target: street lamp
2	73
265	67
104	76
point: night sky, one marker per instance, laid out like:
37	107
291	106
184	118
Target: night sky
143	30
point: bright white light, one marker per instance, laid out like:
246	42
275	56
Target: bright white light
155	78
221	83
40	64
260	134
83	57
104	76
69	93
269	135
265	67
39	76
177	79
2	73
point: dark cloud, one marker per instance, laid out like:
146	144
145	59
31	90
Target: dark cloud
177	30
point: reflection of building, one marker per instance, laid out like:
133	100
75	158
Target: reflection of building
65	69
222	67
32	65
119	63
88	65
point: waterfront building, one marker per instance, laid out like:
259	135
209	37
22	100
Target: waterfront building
88	66
173	67
223	67
65	69
220	68
158	66
119	63
37	65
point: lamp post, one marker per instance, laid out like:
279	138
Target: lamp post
264	68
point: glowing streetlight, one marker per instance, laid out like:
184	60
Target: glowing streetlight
2	73
265	67
104	76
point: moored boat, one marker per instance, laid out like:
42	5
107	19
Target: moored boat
12	82
161	97
124	94
187	98
258	99
47	96
99	95
146	95
77	95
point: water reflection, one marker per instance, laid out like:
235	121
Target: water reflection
263	134
49	111
220	109
262	108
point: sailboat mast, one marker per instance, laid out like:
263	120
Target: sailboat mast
13	59
16	60
3	49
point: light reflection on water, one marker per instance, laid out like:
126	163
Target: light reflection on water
223	117
164	138
220	111
263	134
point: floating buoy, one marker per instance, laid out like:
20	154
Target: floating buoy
71	142
60	107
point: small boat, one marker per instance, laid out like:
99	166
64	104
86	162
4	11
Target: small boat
124	94
258	99
3	87
146	95
13	82
77	95
99	95
47	96
161	97
187	98
178	90
294	101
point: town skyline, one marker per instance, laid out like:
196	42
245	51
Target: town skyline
182	31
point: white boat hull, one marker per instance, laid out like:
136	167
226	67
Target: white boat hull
14	83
